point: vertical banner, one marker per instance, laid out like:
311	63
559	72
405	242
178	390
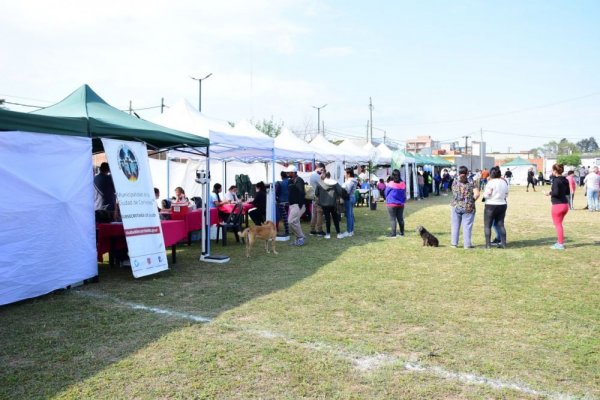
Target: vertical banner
130	172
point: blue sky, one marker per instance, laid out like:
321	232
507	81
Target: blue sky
432	67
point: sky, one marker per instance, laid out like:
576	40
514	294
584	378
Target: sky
515	73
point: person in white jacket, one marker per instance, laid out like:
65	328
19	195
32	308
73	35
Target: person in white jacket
495	194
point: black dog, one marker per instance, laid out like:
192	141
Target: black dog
428	238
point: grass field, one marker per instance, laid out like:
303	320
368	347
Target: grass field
362	317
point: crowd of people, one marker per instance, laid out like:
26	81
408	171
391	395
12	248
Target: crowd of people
326	200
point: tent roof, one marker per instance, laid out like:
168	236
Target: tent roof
289	146
328	148
517	162
86	112
354	152
226	143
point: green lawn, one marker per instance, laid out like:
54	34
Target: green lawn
362	317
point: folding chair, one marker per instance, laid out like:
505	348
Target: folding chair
233	223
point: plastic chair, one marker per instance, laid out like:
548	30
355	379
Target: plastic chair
233	223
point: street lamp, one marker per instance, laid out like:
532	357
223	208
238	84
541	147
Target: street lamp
319	117
200	89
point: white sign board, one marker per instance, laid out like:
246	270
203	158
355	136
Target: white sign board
130	172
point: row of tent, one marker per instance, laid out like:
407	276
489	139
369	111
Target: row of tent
184	131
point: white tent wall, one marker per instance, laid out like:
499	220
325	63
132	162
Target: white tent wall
47	235
519	173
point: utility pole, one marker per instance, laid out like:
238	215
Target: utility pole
384	137
162	104
368	130
323	123
319	117
200	89
481	149
370	119
130	108
466	137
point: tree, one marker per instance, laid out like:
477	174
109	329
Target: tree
588	145
269	127
558	148
569	159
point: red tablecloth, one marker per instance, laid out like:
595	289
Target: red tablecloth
193	219
228	208
112	236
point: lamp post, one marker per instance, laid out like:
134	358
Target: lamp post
319	117
200	89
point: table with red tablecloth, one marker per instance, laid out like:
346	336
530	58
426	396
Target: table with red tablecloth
111	237
228	208
193	220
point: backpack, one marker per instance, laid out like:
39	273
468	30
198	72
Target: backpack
309	192
345	194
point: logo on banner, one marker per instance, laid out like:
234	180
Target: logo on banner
128	164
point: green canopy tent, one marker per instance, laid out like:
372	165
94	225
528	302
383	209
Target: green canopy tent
519	168
84	113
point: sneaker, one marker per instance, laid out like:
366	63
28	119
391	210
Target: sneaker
293	243
350	234
453	246
327	236
557	246
390	236
321	233
342	235
401	233
314	233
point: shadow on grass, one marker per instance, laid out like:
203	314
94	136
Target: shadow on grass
53	342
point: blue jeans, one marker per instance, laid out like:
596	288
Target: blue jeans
466	220
592	195
349	211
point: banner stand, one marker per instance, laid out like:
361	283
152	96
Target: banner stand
203	178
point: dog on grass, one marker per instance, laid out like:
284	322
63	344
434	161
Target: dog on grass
428	238
266	231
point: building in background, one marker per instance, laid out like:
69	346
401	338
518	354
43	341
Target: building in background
422	144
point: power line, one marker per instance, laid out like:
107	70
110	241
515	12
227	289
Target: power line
487	116
532	136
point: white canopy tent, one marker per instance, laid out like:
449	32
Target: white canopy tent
353	152
383	155
289	147
326	147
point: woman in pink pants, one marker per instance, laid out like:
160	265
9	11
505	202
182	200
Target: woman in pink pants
559	196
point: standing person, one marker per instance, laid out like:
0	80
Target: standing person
327	194
437	180
495	194
350	185
381	188
464	195
592	186
582	173
421	183
572	188
316	217
485	174
395	197
105	186
297	208
530	179
281	192
180	195
508	175
540	179
445	182
259	212
559	196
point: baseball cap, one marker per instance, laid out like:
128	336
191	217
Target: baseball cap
290	168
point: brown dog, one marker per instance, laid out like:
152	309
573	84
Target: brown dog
266	231
428	238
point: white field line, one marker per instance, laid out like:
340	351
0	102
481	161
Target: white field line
361	362
136	306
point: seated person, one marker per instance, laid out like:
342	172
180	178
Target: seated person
180	196
259	212
231	195
216	200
